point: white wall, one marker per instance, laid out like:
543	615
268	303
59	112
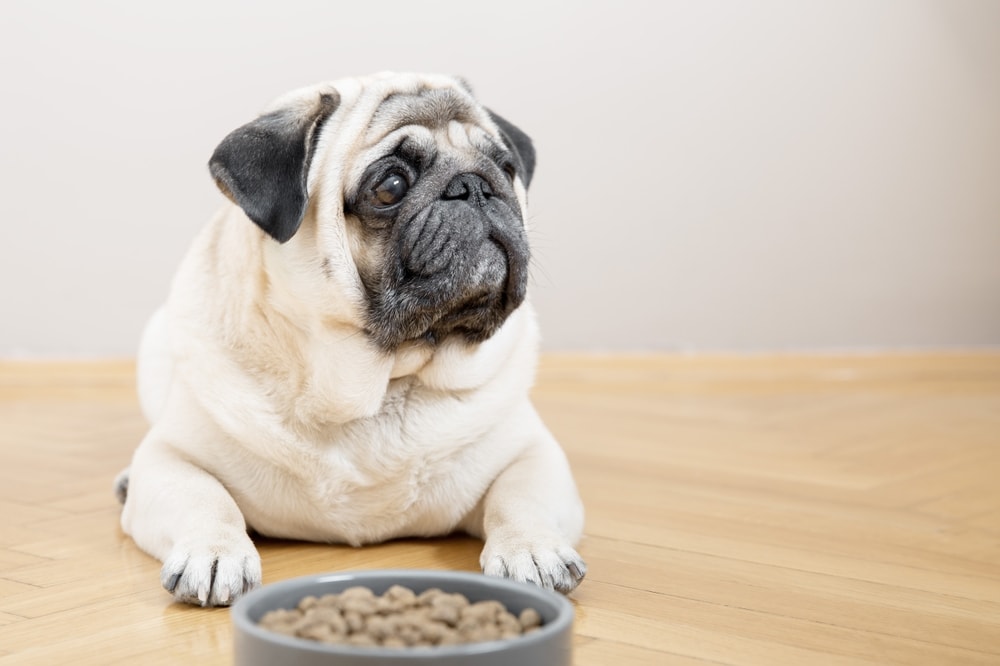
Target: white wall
713	175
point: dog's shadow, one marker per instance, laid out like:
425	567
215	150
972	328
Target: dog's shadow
283	559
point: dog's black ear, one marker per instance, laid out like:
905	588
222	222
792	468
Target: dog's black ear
520	143
262	166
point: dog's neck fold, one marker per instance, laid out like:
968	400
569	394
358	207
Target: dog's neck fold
347	377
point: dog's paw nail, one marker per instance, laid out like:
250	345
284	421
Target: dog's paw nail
121	486
171	583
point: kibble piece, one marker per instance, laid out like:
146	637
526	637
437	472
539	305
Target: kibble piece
385	606
286	628
447	615
379	627
529	618
357	592
402	595
308	602
434	631
483	611
482	632
328	616
280	616
428	595
355	620
358	599
320	632
445	608
467	625
508	623
411	635
415	617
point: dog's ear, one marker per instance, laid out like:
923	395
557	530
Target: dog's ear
520	143
262	166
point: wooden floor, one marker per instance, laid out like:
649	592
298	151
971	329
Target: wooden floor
770	510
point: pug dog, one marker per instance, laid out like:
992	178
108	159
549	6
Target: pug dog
346	351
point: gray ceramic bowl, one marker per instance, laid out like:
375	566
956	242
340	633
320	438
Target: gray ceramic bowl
549	646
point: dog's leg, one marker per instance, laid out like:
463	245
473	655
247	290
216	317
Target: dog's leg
531	518
183	516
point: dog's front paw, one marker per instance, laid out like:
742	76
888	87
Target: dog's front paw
545	560
209	574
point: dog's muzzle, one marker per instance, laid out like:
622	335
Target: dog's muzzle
461	267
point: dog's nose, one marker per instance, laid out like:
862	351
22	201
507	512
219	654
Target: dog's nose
468	187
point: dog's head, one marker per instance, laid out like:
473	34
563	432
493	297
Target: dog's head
398	196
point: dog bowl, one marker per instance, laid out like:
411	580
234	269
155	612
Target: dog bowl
551	645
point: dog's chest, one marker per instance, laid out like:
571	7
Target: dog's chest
415	469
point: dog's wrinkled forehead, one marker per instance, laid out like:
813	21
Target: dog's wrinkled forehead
433	108
450	114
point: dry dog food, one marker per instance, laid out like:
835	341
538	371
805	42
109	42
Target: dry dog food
399	618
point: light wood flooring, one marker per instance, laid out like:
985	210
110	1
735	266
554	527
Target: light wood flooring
761	510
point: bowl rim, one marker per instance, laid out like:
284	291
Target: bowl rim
240	611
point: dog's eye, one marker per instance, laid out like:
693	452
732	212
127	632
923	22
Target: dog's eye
391	190
510	170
